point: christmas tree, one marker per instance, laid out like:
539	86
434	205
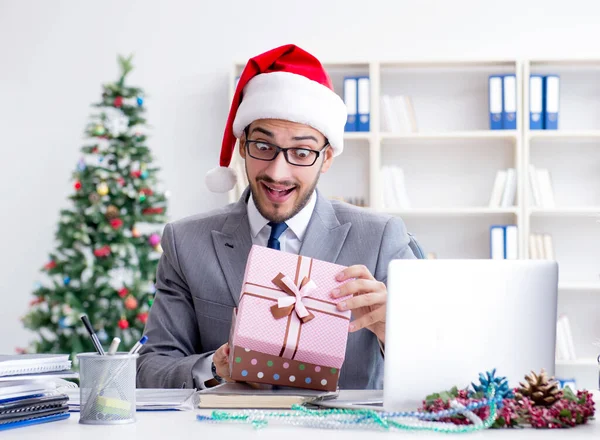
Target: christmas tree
108	243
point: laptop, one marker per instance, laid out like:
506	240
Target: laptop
449	320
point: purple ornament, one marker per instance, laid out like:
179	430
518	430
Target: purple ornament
154	240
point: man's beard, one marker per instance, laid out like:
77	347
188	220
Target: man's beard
303	199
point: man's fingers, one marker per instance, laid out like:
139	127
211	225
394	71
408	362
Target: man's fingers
355	287
356	271
368	319
368	299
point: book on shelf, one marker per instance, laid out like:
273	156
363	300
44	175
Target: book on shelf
504	242
398	114
541	191
541	247
504	190
565	348
394	191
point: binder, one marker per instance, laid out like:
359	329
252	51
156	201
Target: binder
364	103
512	242
509	102
351	100
536	102
497	242
551	101
495	101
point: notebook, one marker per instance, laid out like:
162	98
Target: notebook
11	365
151	399
251	395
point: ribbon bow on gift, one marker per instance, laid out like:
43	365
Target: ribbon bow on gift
286	304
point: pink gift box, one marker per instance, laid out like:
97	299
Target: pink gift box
287	329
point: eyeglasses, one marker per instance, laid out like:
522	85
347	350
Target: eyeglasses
300	157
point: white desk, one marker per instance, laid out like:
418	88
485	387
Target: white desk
183	425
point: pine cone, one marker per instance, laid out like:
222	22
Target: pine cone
112	212
540	389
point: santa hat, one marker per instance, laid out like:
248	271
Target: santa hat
284	83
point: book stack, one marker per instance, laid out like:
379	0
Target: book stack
32	389
398	114
565	349
394	192
505	189
540	188
541	247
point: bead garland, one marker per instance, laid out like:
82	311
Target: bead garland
363	418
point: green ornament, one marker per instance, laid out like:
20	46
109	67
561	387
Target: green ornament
142	197
150	301
99	130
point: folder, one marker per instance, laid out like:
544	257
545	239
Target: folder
551	101
497	242
536	102
351	100
495	101
364	103
512	242
509	102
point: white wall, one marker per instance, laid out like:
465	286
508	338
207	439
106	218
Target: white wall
54	56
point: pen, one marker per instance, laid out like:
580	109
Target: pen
114	345
138	345
90	330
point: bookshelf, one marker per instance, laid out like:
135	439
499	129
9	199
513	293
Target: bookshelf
451	161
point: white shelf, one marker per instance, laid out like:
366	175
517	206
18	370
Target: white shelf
579	287
453	135
564	134
358	135
583	362
567	211
446	212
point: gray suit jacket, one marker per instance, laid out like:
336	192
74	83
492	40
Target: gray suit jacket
199	280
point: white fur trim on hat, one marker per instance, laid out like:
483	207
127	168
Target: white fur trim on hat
221	179
292	97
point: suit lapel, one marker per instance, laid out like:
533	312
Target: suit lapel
325	236
232	246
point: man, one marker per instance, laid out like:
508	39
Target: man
290	125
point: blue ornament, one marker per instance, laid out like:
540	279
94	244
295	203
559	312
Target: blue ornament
37	286
101	158
102	335
62	323
144	174
140	101
502	389
81	165
67	280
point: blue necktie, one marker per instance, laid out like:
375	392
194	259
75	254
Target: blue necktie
276	231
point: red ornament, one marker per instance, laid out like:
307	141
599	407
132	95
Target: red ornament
20	350
95	150
77	185
146	191
137	174
116	223
121	181
35	301
123	292
118	102
50	265
149	211
131	303
143	317
123	324
104	251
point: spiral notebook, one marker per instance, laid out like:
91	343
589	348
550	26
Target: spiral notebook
12	365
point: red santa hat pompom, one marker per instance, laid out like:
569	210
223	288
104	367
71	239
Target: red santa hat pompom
284	83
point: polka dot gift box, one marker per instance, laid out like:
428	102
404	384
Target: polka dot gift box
287	329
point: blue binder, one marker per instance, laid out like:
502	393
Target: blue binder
498	242
509	102
551	101
351	100
536	102
364	103
495	101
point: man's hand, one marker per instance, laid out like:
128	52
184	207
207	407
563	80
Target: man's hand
220	358
369	301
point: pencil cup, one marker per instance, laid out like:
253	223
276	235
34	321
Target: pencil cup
107	388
